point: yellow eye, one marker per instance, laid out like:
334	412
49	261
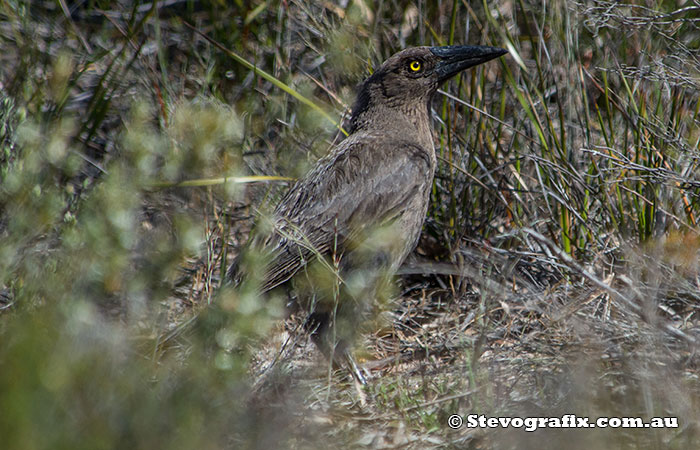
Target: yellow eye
415	66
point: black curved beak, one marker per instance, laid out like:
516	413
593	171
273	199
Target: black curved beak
456	58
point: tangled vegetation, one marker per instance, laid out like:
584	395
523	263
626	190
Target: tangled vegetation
557	272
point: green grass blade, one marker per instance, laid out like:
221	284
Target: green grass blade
269	77
200	182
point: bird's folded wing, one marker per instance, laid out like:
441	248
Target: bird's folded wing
363	184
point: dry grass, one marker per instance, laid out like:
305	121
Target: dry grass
557	272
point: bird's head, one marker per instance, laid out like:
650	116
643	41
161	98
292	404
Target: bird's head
409	78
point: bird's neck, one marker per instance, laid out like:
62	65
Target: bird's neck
410	121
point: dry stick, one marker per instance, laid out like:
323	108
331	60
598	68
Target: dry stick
495	288
612	291
440	400
76	30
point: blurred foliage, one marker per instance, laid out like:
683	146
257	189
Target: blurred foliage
87	273
90	250
591	139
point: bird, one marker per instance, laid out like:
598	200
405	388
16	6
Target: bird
341	232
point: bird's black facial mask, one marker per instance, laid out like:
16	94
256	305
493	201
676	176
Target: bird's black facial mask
456	58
